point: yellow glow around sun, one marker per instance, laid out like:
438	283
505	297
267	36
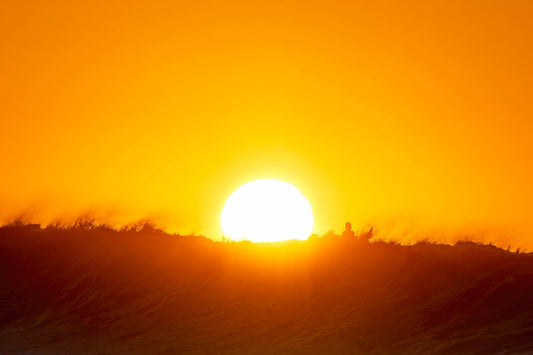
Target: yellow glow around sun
267	211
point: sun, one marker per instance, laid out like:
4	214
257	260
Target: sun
267	211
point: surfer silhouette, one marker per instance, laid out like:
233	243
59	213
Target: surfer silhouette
348	232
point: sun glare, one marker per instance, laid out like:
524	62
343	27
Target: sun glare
267	211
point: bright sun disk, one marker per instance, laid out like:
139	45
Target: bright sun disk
267	211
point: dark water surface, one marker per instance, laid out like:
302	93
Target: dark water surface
101	291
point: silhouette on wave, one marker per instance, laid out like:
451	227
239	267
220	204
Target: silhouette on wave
92	289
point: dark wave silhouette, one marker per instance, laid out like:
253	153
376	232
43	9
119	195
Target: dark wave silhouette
90	289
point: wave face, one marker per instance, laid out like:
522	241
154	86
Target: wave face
97	290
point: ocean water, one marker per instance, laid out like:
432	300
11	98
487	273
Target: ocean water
96	290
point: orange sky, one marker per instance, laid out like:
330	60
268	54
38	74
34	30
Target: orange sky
416	118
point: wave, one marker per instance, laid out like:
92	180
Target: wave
90	289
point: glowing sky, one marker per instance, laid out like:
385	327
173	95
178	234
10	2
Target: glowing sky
413	116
